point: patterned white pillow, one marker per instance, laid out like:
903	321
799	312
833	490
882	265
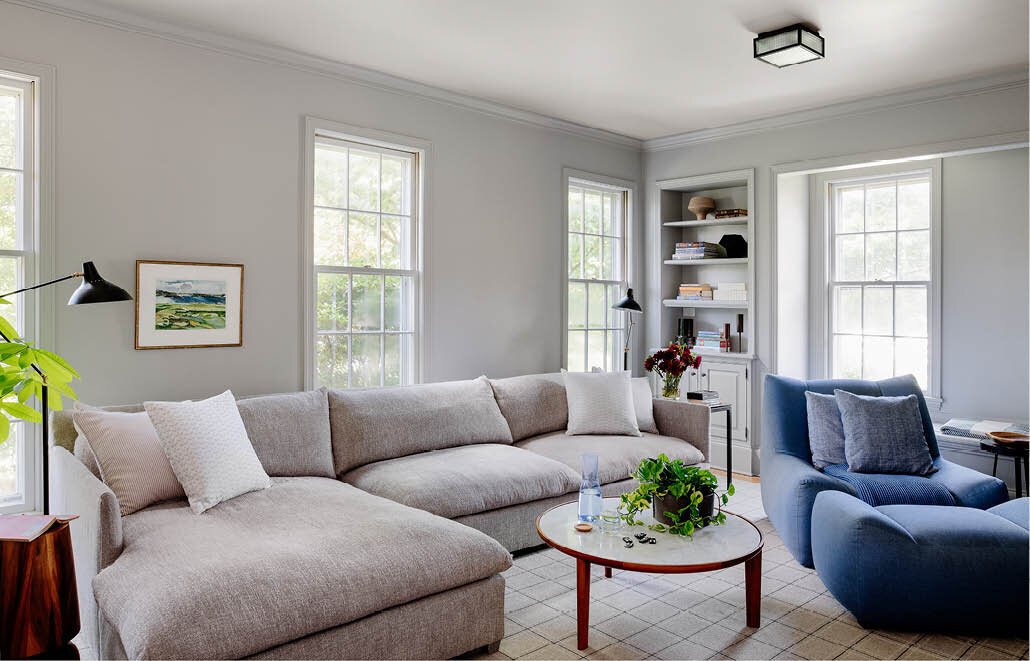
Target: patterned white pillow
600	403
208	448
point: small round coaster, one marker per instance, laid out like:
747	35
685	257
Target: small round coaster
583	527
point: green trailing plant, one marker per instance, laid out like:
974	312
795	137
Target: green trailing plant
663	477
24	370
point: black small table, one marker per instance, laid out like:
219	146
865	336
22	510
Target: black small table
718	408
1019	452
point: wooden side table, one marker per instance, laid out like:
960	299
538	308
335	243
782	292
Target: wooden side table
39	603
1019	453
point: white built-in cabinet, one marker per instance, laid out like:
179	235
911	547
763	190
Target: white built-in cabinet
729	374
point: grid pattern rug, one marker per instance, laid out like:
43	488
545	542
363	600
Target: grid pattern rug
701	616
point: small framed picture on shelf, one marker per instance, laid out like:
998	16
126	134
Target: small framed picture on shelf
187	305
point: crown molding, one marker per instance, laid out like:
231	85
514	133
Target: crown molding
255	51
970	87
267	54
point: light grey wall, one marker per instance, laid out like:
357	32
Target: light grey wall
985	286
166	151
946	120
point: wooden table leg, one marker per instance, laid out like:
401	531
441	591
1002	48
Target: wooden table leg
753	589
607	572
582	602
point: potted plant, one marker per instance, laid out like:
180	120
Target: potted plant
670	364
682	498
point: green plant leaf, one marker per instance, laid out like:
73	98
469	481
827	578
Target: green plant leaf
64	389
5	429
22	411
730	490
7	329
27	390
53	358
54	400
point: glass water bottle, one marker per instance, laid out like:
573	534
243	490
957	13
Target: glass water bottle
590	501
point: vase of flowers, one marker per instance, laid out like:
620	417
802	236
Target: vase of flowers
670	364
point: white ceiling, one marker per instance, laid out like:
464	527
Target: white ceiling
643	68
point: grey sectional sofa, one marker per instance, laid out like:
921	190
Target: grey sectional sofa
358	548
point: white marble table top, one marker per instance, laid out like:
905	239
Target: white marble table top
732	542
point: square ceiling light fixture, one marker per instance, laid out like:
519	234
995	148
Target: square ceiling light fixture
789	46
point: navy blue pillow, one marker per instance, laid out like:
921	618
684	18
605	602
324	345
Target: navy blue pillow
884	434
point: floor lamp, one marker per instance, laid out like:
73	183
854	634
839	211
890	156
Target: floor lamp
630	305
93	289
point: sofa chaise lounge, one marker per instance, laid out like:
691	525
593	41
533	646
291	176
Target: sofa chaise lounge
357	550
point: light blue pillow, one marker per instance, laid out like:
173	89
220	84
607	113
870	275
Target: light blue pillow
825	430
884	434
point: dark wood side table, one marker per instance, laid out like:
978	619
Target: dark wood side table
39	603
1019	452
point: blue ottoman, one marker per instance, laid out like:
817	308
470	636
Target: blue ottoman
925	567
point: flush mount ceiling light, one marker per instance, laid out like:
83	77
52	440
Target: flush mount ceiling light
788	46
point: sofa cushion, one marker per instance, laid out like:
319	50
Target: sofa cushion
290	433
385	423
532	404
467	480
1017	511
617	456
271	566
878	489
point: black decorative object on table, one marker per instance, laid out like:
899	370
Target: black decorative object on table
735	245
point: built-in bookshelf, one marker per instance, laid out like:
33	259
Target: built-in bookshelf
728	373
729	190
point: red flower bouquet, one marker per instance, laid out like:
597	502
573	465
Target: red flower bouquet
670	364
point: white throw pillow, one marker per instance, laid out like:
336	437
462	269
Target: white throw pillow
643	402
600	403
208	448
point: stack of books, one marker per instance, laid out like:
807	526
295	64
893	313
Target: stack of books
730	213
711	342
709	397
698	250
731	291
695	292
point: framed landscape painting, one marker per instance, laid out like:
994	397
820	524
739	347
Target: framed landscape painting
185	305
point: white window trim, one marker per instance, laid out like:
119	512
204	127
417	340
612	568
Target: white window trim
315	127
571	175
822	306
37	309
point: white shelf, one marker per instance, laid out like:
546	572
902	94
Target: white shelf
706	262
727	305
738	220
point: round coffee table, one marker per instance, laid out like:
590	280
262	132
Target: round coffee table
714	547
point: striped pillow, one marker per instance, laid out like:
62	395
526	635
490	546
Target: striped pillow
131	460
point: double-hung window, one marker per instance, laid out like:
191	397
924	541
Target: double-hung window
596	259
365	217
18	460
882	280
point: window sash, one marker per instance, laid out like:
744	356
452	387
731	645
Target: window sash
613	333
24	439
834	284
409	349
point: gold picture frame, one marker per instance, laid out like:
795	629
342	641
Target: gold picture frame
188	305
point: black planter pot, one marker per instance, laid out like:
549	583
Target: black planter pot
659	506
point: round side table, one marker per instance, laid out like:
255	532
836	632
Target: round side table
1019	452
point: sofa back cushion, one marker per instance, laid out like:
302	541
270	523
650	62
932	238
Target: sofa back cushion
532	405
384	423
290	433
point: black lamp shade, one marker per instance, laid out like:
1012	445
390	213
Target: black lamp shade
629	303
95	289
789	46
